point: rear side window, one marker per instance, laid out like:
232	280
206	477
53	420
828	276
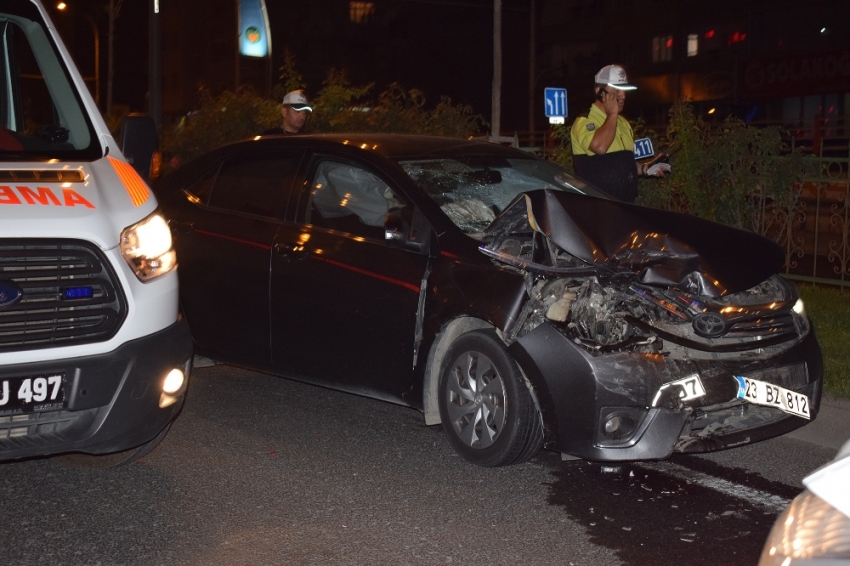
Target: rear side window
256	184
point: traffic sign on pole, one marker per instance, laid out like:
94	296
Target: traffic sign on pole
555	103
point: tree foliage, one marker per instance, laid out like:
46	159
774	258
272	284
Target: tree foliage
218	120
338	107
342	107
563	152
733	173
289	78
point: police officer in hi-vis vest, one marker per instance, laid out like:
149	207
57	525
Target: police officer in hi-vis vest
603	142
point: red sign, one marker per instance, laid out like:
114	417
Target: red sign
798	75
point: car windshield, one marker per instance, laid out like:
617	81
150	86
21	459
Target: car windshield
472	190
41	114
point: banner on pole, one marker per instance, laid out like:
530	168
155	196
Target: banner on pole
255	39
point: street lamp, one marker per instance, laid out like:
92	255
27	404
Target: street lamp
62	6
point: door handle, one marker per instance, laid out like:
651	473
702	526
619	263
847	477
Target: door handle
290	251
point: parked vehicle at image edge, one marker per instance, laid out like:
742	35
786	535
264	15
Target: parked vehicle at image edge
489	289
814	530
93	356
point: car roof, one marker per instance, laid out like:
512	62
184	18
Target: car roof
398	146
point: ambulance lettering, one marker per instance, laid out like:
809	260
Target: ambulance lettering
42	196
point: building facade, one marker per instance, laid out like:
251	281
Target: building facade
765	61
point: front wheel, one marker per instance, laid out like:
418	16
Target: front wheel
486	407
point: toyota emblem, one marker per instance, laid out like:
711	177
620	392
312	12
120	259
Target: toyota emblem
709	325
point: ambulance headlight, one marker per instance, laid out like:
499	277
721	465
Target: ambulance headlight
147	248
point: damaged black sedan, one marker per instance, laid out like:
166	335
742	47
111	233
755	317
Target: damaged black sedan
503	298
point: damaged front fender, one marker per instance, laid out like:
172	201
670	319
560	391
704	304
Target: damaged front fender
582	392
607	407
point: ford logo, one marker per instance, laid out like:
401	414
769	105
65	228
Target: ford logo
9	294
709	325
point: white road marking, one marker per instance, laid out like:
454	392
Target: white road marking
754	496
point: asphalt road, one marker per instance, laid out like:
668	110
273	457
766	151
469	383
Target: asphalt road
263	470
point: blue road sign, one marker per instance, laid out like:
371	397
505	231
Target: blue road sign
555	102
643	148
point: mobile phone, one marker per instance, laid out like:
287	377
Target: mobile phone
600	93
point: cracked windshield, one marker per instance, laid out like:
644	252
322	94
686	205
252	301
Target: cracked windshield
473	190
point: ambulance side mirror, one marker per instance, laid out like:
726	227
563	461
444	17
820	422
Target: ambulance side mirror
139	144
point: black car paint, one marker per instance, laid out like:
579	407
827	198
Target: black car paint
453	286
575	398
452	282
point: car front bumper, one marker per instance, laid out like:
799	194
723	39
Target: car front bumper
112	401
579	393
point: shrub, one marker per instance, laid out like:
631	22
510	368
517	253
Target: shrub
338	107
734	173
341	107
218	120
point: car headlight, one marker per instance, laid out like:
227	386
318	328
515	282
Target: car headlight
147	248
800	308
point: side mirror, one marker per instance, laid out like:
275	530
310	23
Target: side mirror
413	234
139	142
396	229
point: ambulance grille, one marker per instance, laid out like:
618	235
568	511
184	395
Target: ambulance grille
56	293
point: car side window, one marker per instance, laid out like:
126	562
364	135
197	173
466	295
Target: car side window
202	187
347	197
255	184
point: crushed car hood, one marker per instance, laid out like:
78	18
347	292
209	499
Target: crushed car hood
663	248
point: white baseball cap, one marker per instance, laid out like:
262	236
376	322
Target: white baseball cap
614	76
297	101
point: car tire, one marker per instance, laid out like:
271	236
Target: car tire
488	412
102	461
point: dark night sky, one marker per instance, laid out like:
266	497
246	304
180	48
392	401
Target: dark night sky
442	47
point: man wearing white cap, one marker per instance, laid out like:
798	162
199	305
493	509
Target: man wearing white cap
603	142
294	112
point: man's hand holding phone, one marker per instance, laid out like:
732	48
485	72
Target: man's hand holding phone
611	102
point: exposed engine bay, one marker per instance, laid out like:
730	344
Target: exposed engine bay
645	293
619	314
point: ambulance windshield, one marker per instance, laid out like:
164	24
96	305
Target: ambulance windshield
41	113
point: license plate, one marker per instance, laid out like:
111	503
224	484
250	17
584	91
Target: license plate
769	395
32	394
685	389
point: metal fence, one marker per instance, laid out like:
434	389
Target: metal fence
814	226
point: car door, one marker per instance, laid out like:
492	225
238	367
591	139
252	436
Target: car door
344	300
223	242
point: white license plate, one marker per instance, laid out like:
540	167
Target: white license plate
688	388
769	395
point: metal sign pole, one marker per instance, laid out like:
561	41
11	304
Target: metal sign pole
155	67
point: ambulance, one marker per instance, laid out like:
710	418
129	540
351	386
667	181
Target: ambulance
94	355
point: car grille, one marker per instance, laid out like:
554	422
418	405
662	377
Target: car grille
43	429
762	327
49	273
